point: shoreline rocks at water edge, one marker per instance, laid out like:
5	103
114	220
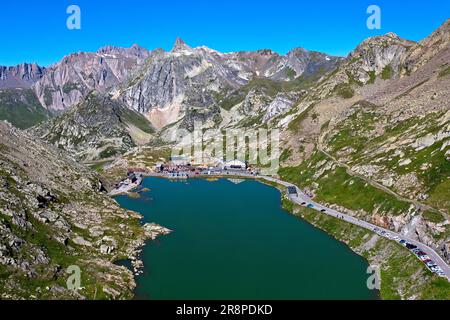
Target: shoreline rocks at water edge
152	231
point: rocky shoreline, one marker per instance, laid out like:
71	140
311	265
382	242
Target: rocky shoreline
151	232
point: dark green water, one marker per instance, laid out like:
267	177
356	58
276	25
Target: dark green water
236	242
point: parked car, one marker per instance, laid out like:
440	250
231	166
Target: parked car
436	269
310	206
323	210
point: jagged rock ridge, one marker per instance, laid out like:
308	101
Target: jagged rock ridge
96	128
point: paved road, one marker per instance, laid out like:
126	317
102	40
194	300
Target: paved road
302	197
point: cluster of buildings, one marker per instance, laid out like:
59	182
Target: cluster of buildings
181	167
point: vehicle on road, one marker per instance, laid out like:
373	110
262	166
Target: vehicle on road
431	264
436	269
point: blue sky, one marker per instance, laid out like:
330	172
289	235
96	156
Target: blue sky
35	31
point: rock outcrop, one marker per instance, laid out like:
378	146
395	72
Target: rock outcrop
49	204
21	76
67	82
96	128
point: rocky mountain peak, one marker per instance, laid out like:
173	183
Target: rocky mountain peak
297	51
180	45
135	51
139	51
106	49
392	35
377	55
440	37
68	81
438	43
381	42
136	46
267	52
97	127
21	76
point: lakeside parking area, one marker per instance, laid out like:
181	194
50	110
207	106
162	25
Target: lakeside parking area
132	181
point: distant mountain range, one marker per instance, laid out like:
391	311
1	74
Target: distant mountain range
150	80
22	76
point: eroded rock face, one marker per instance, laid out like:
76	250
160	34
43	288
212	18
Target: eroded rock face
67	82
172	82
428	48
378	55
21	76
282	103
97	128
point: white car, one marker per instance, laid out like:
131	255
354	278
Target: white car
423	258
435	269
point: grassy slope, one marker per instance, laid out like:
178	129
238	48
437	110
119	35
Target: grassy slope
137	119
338	187
357	133
21	108
269	87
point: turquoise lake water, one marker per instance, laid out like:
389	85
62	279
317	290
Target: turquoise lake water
234	241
